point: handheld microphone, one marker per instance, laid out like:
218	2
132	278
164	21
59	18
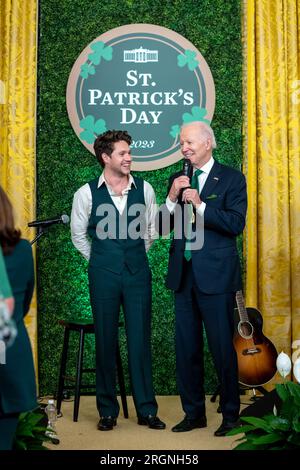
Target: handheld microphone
187	169
63	219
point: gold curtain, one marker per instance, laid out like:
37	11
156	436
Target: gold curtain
271	43
18	63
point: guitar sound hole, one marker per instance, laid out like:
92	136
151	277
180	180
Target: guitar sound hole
245	329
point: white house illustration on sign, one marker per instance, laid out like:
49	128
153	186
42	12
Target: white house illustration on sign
140	55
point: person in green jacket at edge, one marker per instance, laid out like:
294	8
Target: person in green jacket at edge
17	377
5	289
109	232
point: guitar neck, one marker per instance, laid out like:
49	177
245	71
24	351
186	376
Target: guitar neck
241	306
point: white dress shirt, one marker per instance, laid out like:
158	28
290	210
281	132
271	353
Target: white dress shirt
82	207
201	182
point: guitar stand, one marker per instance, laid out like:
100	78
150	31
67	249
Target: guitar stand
260	388
243	388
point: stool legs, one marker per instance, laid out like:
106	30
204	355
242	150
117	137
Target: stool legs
78	376
63	364
121	383
80	370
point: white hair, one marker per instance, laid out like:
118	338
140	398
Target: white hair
205	130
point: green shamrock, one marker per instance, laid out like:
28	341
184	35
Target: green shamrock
87	70
91	128
188	58
100	51
198	114
174	130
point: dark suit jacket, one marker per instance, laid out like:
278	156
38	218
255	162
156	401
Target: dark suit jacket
17	377
216	265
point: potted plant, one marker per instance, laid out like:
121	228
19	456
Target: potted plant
31	433
280	430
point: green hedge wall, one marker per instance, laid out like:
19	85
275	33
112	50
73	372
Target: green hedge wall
63	164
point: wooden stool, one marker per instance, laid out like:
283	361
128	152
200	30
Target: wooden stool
83	327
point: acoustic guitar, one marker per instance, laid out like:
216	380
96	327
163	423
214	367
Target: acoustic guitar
256	354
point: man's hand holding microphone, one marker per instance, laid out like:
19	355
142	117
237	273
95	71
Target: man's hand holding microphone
183	184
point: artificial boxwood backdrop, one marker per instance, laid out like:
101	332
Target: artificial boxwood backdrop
63	163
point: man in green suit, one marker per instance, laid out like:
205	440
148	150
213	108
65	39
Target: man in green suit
112	225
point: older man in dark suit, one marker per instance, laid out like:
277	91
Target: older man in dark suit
205	273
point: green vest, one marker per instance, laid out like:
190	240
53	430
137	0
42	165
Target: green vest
112	246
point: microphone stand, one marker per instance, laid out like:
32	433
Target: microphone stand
40	232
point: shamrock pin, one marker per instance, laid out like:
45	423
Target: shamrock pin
188	58
87	70
100	51
91	128
198	114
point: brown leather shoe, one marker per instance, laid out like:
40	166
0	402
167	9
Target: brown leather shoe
153	422
188	424
107	423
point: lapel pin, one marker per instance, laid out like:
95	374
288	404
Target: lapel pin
215	178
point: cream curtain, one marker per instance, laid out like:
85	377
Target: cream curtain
271	42
18	63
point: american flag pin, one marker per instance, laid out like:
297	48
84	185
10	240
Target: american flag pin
215	178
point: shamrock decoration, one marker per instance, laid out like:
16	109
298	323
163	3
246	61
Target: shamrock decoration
100	51
91	128
187	59
198	114
87	70
174	131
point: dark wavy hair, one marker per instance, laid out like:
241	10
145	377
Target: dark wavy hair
104	143
9	235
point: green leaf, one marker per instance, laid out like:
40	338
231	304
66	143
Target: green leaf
245	446
279	424
98	46
192	64
294	389
267	439
259	423
84	71
198	114
282	391
175	130
100	126
95	58
294	438
107	53
20	445
87	123
296	424
181	60
87	136
34	418
26	432
241	429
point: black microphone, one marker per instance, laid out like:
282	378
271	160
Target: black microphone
63	219
187	169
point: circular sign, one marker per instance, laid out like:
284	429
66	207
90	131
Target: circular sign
145	79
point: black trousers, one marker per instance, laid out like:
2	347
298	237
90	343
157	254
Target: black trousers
193	310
